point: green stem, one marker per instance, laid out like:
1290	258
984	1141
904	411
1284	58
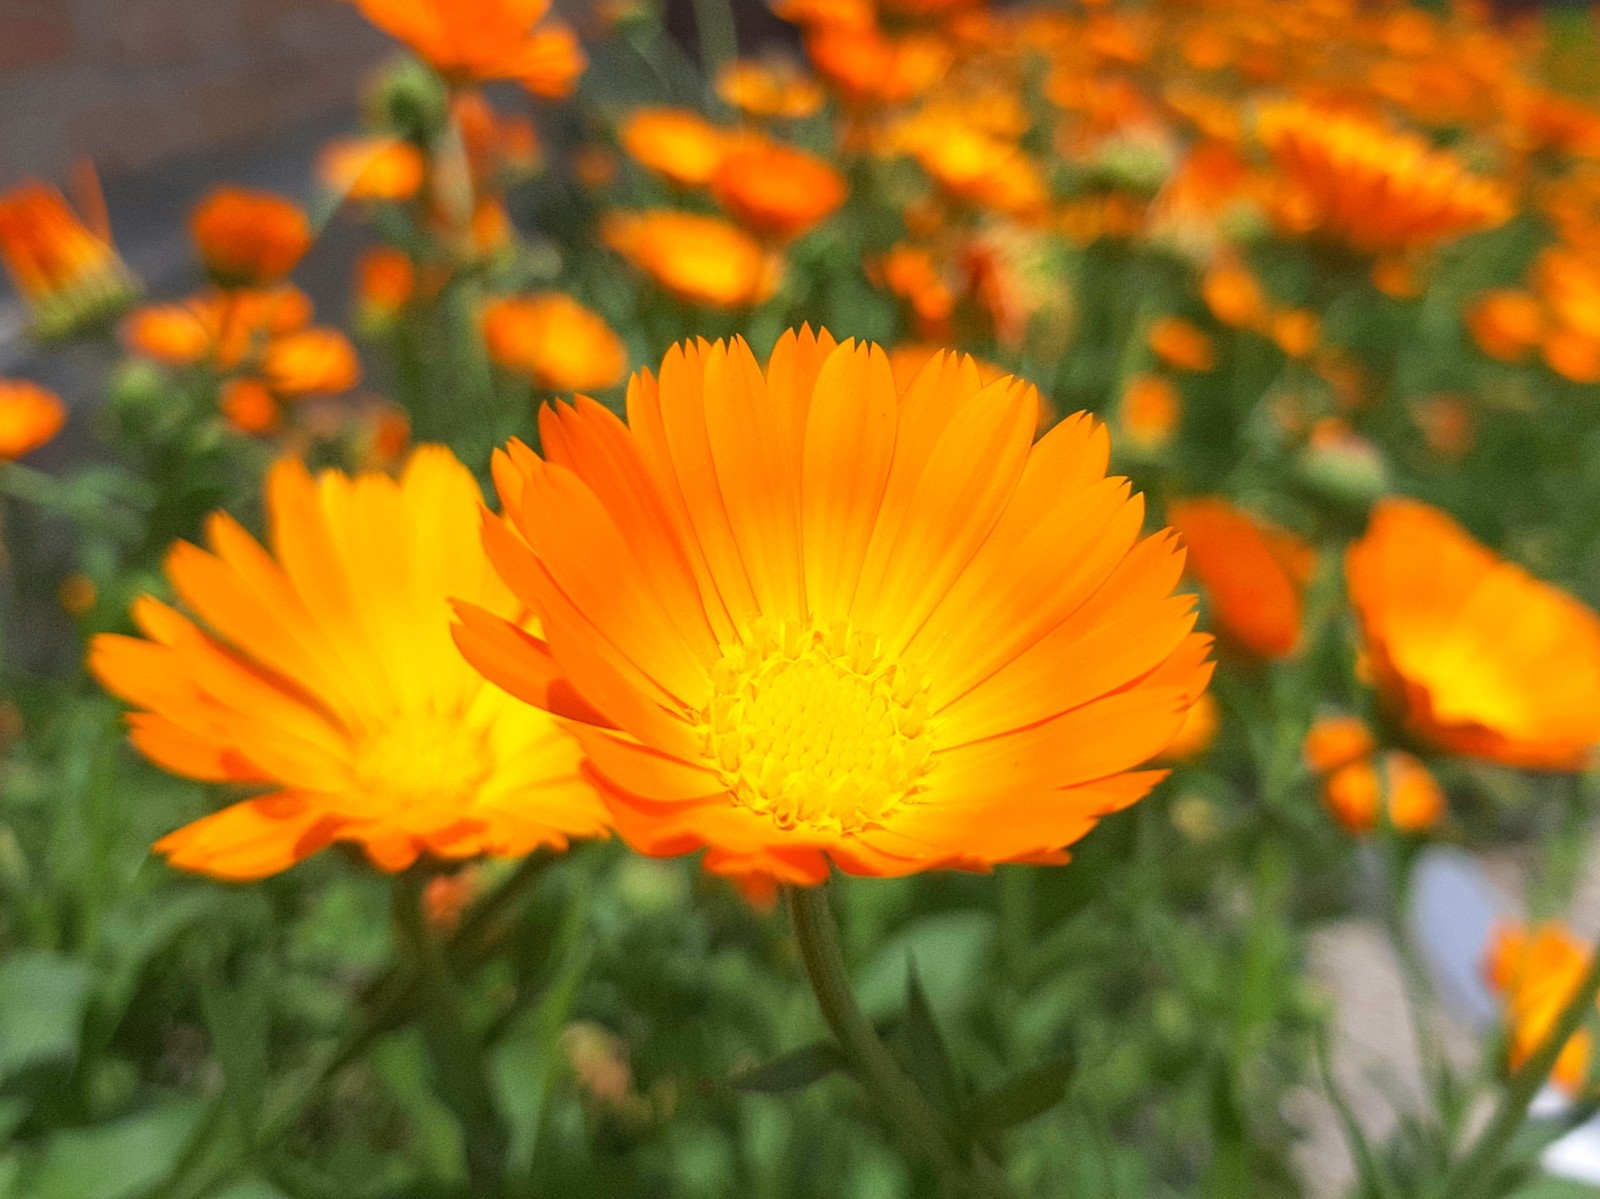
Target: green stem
1475	1173
457	1053
893	1092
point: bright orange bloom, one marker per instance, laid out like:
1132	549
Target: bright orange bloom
310	362
1233	294
1506	324
68	272
1149	412
776	190
676	143
321	671
1182	344
867	67
223	327
1395	783
386	281
476	41
1572	354
250	238
1354	178
800	615
1474	654
249	407
1538	971
907	360
911	273
1295	331
1254	574
697	258
974	166
557	342
372	168
30	415
498	147
766	89
1337	741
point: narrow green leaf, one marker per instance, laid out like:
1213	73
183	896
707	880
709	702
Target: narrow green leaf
1024	1095
791	1071
922	1045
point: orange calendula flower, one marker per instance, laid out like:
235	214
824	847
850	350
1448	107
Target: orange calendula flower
478	41
1336	741
321	671
315	361
867	67
1354	178
911	273
30	416
1198	732
1395	783
1538	970
250	238
560	344
1475	655
1506	324
1181	344
800	615
386	281
1254	574
67	271
775	190
769	88
222	327
676	143
249	407
372	168
1233	294
1149	412
697	258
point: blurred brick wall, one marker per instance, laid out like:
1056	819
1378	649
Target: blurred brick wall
132	83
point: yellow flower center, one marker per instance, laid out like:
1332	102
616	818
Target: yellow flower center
815	728
426	765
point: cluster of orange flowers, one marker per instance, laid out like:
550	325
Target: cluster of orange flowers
1538	971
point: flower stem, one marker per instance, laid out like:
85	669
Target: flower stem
891	1089
1474	1174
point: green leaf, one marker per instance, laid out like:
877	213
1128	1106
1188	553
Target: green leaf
954	945
923	1048
113	1161
42	998
791	1071
1023	1096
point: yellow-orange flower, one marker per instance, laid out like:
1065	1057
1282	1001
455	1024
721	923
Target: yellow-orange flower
801	615
1182	344
762	88
67	271
868	67
776	190
1354	178
222	327
1335	741
30	415
1149	412
697	258
321	673
248	406
250	238
386	281
1538	970
557	342
676	143
911	273
482	40
1395	783
1475	655
1254	574
306	362
372	168
1233	294
1506	324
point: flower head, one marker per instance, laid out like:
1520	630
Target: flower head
372	168
557	342
1395	783
320	672
700	259
68	272
800	615
776	190
1253	573
678	144
250	238
478	41
1354	178
1538	970
766	89
1474	655
30	415
1149	412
